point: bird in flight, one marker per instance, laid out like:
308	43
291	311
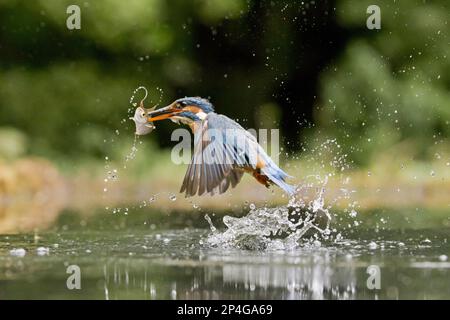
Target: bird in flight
223	149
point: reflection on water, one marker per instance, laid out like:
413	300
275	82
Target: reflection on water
322	275
315	280
216	281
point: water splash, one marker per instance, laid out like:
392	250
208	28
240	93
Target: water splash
133	151
135	104
279	228
305	221
111	173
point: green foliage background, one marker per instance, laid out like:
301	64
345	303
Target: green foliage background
64	93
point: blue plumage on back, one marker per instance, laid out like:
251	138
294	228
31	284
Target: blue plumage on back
204	104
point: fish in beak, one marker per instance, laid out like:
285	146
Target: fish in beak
163	113
144	118
143	126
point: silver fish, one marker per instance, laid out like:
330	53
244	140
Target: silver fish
143	126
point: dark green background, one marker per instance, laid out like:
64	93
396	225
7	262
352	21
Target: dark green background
311	68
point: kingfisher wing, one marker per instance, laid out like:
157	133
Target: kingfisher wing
231	180
218	161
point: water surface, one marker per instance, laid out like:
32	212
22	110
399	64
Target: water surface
157	255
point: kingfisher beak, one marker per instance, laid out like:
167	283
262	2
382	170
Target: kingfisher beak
163	113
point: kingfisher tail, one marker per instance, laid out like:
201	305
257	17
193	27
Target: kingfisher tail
278	176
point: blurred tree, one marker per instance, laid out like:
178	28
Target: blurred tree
390	85
313	62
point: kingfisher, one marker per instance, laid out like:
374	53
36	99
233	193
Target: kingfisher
223	149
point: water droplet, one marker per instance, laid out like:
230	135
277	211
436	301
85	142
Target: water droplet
372	245
207	218
252	206
172	197
42	251
112	175
20	252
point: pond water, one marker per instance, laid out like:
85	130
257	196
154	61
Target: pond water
159	255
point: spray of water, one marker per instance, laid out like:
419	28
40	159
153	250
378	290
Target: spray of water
112	173
304	221
278	228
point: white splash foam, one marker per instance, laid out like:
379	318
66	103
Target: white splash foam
279	228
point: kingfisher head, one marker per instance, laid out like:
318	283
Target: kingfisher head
185	110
